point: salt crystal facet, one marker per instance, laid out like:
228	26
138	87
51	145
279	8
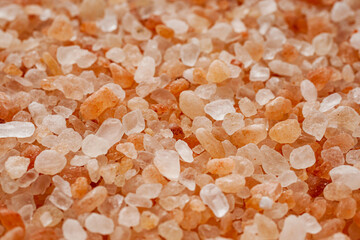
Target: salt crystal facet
219	108
212	196
73	230
168	164
17	129
348	175
340	11
294	229
302	157
97	223
94	146
189	53
145	70
16	166
263	96
129	216
133	122
184	151
49	162
259	73
116	54
308	90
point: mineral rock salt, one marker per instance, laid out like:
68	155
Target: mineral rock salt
97	223
219	108
50	162
129	216
212	196
16	166
348	175
168	163
302	157
17	129
133	122
72	229
184	151
259	73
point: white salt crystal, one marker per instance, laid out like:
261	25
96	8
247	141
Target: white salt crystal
184	151
116	54
259	73
16	166
55	123
283	68
354	95
293	228
70	55
206	91
287	178
111	130
94	146
212	196
69	139
129	216
168	164
189	54
315	124
46	219
266	203
17	129
133	122
233	122
109	22
177	25
145	70
348	73
247	107
348	175
49	162
330	102
355	40
238	26
5	39
302	157
219	108
242	55
273	162
63	185
79	160
220	30
138	201
72	229
170	230
267	7
60	200
149	190
97	223
10	11
353	157
322	43
311	224
263	96
340	11
84	58
308	90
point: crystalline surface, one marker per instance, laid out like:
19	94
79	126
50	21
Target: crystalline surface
189	54
168	163
129	216
116	54
73	230
17	129
259	73
302	157
233	122
219	108
97	223
263	96
94	146
133	122
212	196
330	101
49	162
348	175
184	151
308	91
294	228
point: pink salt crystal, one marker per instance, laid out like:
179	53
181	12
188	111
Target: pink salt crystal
128	149
218	72
94	146
311	224
315	124
54	123
60	200
50	162
97	223
16	166
212	196
353	157
138	201
355	40
184	151
111	130
322	43
91	200
129	216
61	29
191	105
308	90
293	229
170	230
330	102
133	122
219	108
233	122
263	96
344	117
168	164
267	228
72	229
336	191
210	143
259	73
231	183
254	133
63	185
92	9
273	162
116	54
145	70
189	54
149	190
286	131
340	11
17	129
247	107
348	175
302	157
283	68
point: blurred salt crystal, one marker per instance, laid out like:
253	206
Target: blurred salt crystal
266	203
206	91
354	40
10	12
220	30
74	54
179	26
308	90
242	55
72	229
5	39
145	70
60	200
17	129
149	190
116	54
238	26
219	108
259	73
97	223
109	22
323	43
330	102
189	54
354	95
340	11
263	96
283	68
212	196
267	7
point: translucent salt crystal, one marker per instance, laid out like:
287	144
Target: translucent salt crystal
60	200
233	122
354	41
283	68
263	96
133	122
91	200
63	185
189	54
340	11
111	130
266	227
218	72
344	117
85	59
266	202
17	129
219	108
302	157
308	90
97	223
49	162
55	123
128	149
5	39
348	73
70	140
259	73
16	166
322	43
168	164
46	219
329	102
139	32
206	91
347	175
138	201
179	26
287	178
129	216
170	230
187	178
315	124
354	95
353	157
267	7
66	55
238	26
220	30
212	196
116	89
116	54
191	105
247	107
293	228
184	151
311	224
149	190
109	22
145	70
72	229
230	183
273	162
94	146
242	55
10	11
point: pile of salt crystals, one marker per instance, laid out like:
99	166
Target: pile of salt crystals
198	119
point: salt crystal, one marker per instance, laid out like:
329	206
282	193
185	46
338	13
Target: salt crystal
72	229
79	160
168	164
10	11
116	89
116	54
267	7
287	178
139	32
145	70
190	104
97	223
133	122
340	11
315	124
283	68
111	130
348	175
128	149
94	146
330	101
353	157
238	26
266	202
266	227
16	166
273	162
84	58
263	96
46	219
344	117
64	186
179	26
212	196
354	40
247	107
259	73
218	72
219	108
220	30
311	224
70	55
354	95
70	140
17	129
5	39
308	90
149	190
348	73
206	91
293	228
233	122
189	54
170	230
49	162
322	43
129	216
55	123
184	151
60	200
242	55
138	201
302	157
109	22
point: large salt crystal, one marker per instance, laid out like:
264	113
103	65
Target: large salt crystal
212	196
287	178
273	162
72	229
322	43
220	30
62	185
129	216
233	122
149	190
315	124
218	72
206	91
242	55
189	53
267	7
354	95
5	39
340	11
302	157
308	90
179	26
60	200
191	105
97	223
344	117
111	130
145	70
311	224
170	230
133	122
247	107
55	123
16	166
168	164
17	129
294	228
10	11
348	175
219	108
354	40
259	73
266	227
184	151
116	54
330	102
49	162
94	146
70	55
263	96
283	68
109	22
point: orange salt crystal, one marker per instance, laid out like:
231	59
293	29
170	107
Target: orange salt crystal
220	166
52	64
89	27
318	24
330	227
152	22
346	208
164	31
250	134
80	187
137	139
61	29
199	76
347	53
210	143
177	86
356	218
191	219
97	103
91	200
296	21
317	208
289	53
343	140
121	76
10	219
278	108
44	234
16	233
151	174
255	49
125	165
286	131
12	69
